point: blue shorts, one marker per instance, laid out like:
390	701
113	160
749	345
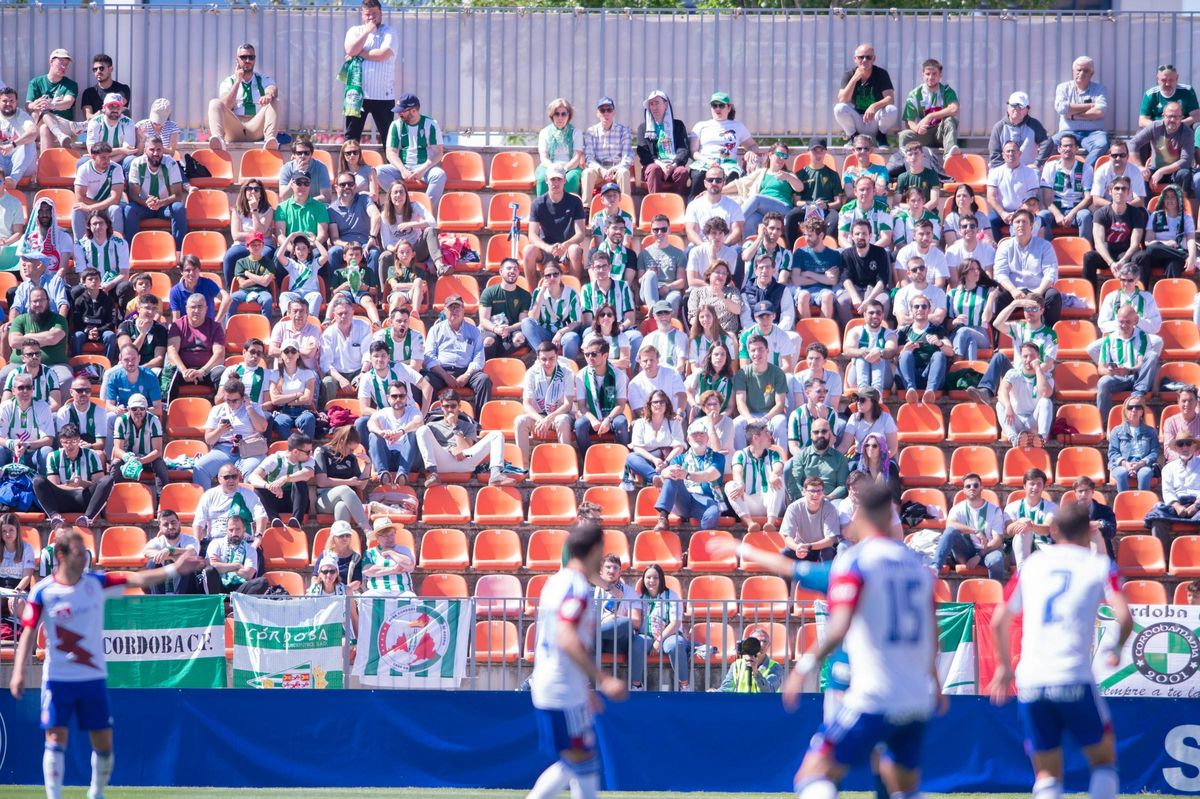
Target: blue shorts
63	701
1047	712
850	737
568	729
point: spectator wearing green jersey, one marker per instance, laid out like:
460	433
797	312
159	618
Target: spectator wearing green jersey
387	566
74	481
931	112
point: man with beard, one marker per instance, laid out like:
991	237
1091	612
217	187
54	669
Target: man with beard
168	546
45	237
156	192
18	152
45	327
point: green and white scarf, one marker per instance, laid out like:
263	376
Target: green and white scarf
602	399
351	75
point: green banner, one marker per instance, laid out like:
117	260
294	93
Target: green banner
412	643
956	648
165	641
291	643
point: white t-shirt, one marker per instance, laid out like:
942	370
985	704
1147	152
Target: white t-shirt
987	522
718	140
557	682
213	509
669	435
297	381
389	235
184	541
1022	393
700	210
14	127
699	259
378	77
905	294
935	261
14	569
239	421
957	252
1104	177
99	185
1015	186
642	386
386	420
672	347
1058	590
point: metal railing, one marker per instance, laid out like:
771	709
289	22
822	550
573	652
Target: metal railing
492	71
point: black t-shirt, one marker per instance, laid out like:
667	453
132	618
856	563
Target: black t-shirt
866	270
93	97
870	90
1118	228
328	463
557	219
157	337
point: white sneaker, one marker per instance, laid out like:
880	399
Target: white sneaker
215	143
626	486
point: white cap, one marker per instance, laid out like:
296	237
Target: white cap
160	110
1020	99
340	527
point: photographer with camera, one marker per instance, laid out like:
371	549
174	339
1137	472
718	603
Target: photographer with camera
753	672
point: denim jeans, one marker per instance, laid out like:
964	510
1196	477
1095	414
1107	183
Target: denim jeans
136	213
757	207
930	377
650	293
879	375
1121	477
108	338
583	432
1140	383
205	470
293	418
968	340
262	296
386	459
536	333
20	162
641	467
675	497
956	543
1083	223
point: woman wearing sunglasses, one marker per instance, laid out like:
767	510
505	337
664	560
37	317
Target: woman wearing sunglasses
768	188
560	143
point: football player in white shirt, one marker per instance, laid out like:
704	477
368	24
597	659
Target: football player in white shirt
881	609
70	603
562	700
1058	592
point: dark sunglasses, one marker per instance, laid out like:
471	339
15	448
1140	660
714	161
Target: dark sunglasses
718	105
714	180
606	109
348	185
659	229
247	58
593	354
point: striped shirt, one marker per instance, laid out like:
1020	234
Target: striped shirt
36	420
138	441
98	186
779	344
374	386
411	347
84	465
608	148
557	314
378	77
877	216
546	392
1127	352
392	583
278	463
619	295
255	380
167	131
43	383
155	183
245	104
122	134
412	142
672	347
758	470
967	303
92	421
110	259
1044	337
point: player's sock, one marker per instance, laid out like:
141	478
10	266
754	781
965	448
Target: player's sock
816	788
1047	788
53	763
881	791
585	779
906	795
102	768
1104	782
552	782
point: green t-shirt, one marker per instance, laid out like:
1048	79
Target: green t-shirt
366	278
506	306
926	180
820	183
249	266
1153	101
52	354
302	217
761	389
42	87
921	101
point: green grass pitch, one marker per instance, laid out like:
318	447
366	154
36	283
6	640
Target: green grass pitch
36	792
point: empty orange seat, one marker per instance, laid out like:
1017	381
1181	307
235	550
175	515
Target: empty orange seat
920	424
544	552
669	204
183	499
1019	460
1070	250
701	559
186	417
604	464
220	165
1185	555
512	171
263	165
980	460
657	546
498	596
1131	507
768	542
1174	297
764	596
152	250
1074	336
508	377
499	505
1075	381
970	423
613	502
1181	339
207	245
922	465
1085	418
820	330
130	503
496	641
121	548
444	549
500	211
1145	592
464	286
208	208
981	591
460	211
1076	462
284	548
711	596
443	585
552	505
617	543
496	550
464	170
941	590
56	168
804	602
1141	556
445	504
554	463
721	640
968	168
242	327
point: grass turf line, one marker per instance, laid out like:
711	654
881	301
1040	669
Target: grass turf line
37	792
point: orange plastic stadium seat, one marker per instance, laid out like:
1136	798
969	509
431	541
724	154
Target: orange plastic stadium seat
263	165
498	596
657	546
500	212
617	543
152	250
1076	462
183	499
513	171
667	203
804	602
460	212
121	548
498	505
971	423
1019	460
644	512
1086	419
1181	594
768	542
1131	507
1075	381
968	168
981	460
497	549
552	506
207	245
711	596
219	163
464	286
941	590
1181	339
508	377
554	463
63	200
1083	290
244	326
446	504
981	591
1074	336
702	560
1185	556
1070	251
544	552
1183	372
764	597
284	548
444	549
721	640
920	424
500	247
56	168
186	417
613	502
208	208
1174	296
922	465
464	170
929	497
500	415
130	503
443	585
1145	592
496	642
1141	556
960	394
821	330
291	582
778	647
604	464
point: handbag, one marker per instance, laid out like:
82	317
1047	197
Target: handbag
252	446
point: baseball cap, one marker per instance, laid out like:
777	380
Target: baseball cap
761	308
112	98
698	427
659	93
720	97
61	53
341	527
34	255
138	401
160	110
453	299
255	236
605	100
610	186
382	524
302	177
662	306
406	102
1019	100
817	143
555	171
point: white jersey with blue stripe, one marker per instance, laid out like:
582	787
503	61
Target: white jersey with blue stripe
74	619
558	683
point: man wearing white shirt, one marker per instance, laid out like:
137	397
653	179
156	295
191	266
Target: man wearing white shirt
918	286
713	204
213	509
923	247
342	346
1008	186
1149	316
392	440
245	106
974	532
1126	360
169	545
549	393
1180	489
1118	166
1026	265
113	127
655	376
99	186
1066	190
968	245
1023	404
375	43
781	346
757	487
